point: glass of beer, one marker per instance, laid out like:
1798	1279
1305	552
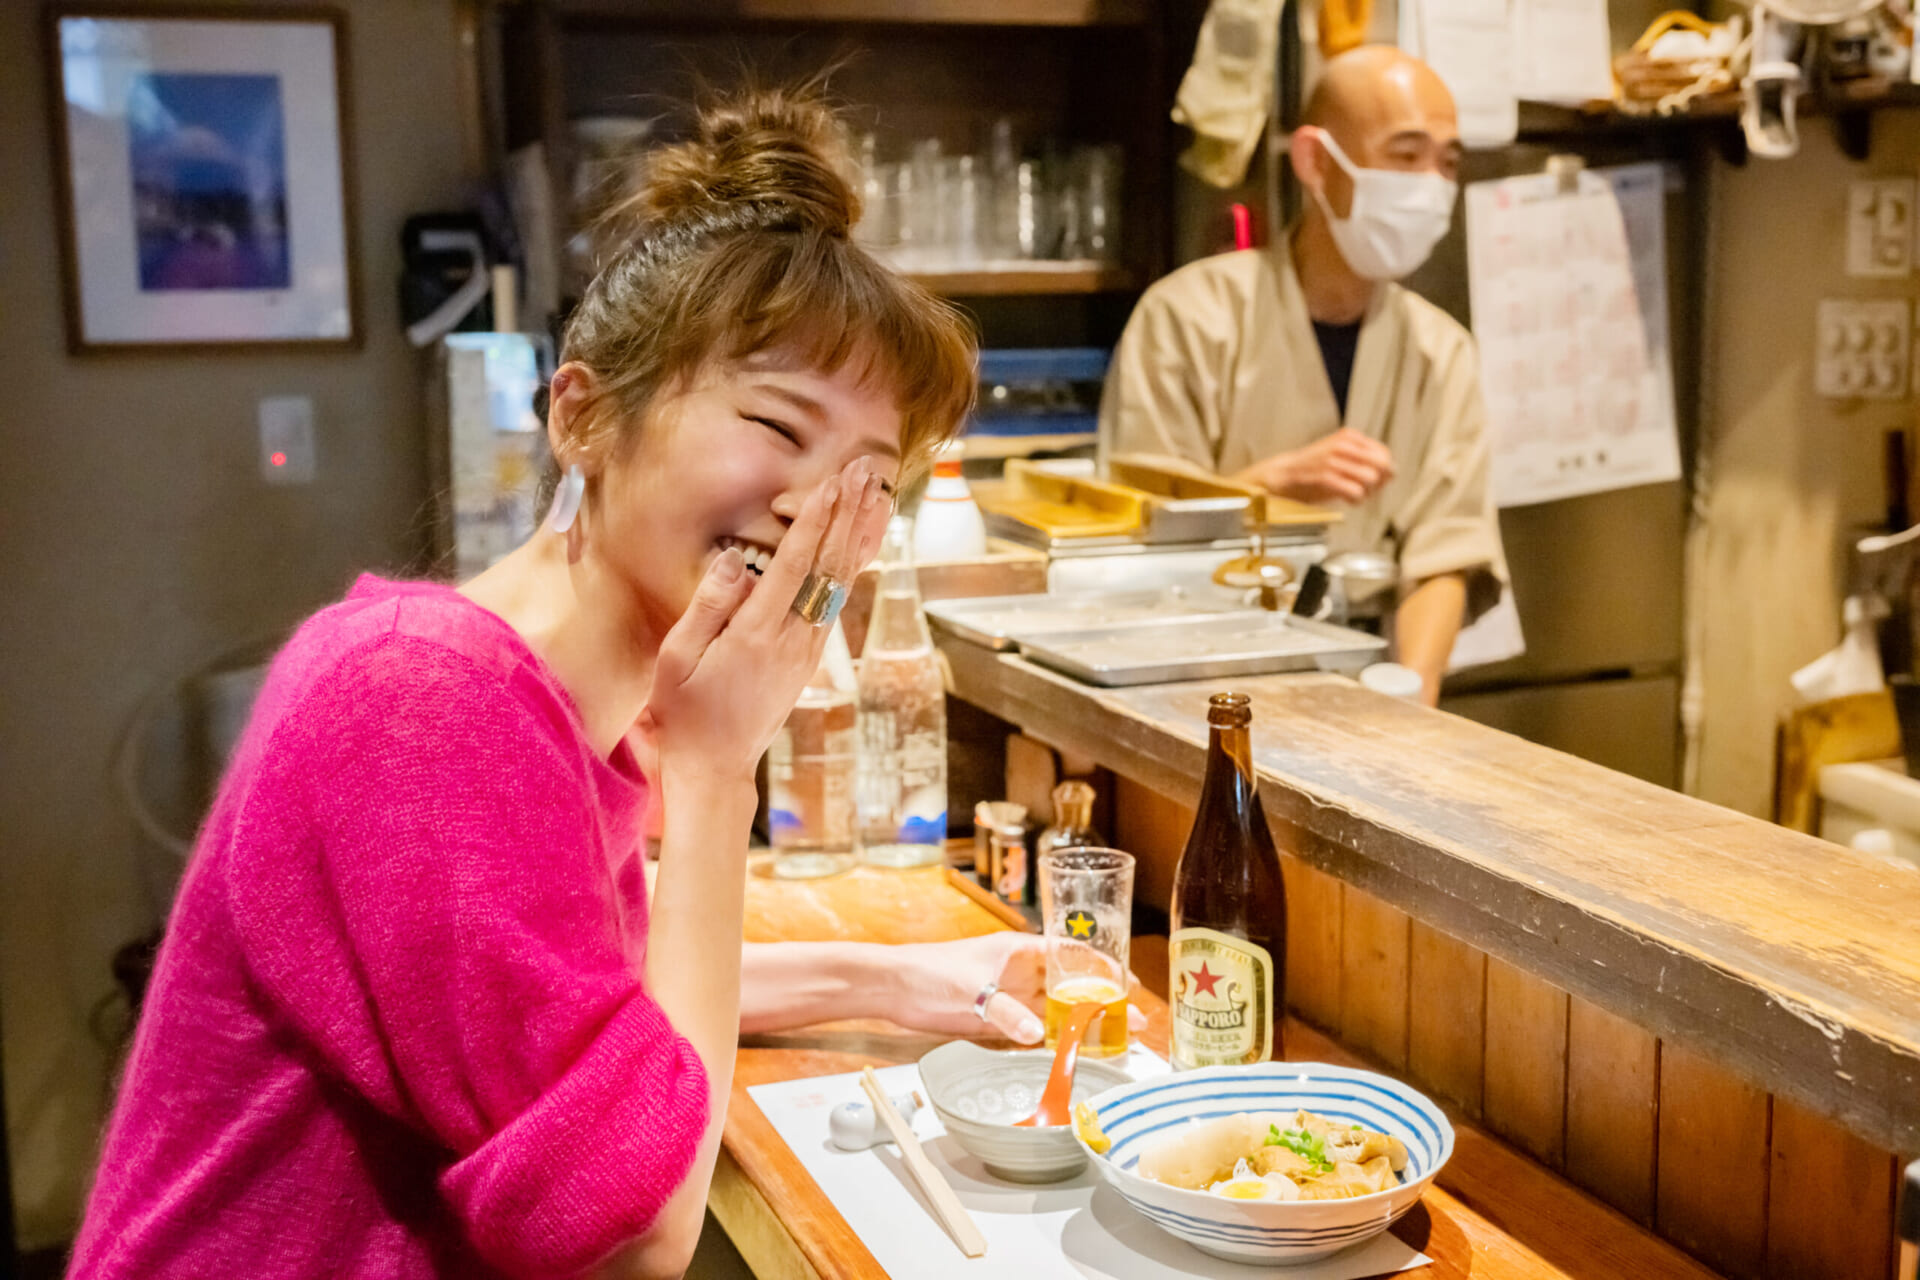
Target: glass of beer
1086	902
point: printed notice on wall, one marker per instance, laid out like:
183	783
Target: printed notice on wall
1568	288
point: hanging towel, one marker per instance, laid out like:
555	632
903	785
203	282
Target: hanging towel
1227	93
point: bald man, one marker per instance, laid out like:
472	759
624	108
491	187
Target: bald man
1303	369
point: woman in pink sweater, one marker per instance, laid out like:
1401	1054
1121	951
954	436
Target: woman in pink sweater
415	1014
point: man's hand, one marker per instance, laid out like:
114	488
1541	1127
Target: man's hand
1343	467
1425	626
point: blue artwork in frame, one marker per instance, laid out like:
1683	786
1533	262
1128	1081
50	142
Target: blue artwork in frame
209	164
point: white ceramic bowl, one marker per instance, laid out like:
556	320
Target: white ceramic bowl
1134	1116
979	1093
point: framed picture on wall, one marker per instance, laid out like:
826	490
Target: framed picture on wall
205	187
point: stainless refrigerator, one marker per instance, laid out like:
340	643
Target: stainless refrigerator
1597	579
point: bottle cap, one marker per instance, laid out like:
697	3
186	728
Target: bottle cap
1072	804
1230	710
947	459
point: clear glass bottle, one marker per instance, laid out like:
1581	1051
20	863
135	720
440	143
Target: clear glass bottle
902	774
1072	821
810	783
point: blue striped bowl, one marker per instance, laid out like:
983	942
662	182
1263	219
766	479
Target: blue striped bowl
1137	1115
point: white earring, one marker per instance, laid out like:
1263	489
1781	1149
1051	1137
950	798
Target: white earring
566	499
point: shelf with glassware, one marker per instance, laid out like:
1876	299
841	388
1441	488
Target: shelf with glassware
1079	94
1012	217
985	13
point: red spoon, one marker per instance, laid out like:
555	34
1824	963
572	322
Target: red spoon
1056	1102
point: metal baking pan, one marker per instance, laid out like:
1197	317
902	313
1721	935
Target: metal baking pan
1243	644
1193	519
1006	622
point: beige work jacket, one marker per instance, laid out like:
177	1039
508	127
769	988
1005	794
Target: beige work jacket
1219	369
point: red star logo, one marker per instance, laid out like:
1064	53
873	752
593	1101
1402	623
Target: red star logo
1203	981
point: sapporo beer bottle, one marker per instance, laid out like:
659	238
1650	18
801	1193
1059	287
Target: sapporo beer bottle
1228	946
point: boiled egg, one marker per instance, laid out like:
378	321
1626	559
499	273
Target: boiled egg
1245	1184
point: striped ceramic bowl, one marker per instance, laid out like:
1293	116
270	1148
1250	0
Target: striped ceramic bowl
1136	1115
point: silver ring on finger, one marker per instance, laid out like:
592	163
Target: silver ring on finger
981	999
820	599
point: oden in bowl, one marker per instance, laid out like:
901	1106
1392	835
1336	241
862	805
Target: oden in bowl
1151	1115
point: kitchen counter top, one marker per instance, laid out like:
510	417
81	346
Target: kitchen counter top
1793	962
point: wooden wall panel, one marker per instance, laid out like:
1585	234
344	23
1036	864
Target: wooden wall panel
1526	1075
1032	771
1374	977
1446	1016
1613	1108
1711	1188
1830	1201
1314	927
1154	830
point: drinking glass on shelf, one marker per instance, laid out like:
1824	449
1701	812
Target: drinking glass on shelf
968	205
1031	220
1068	198
875	229
1098	171
1086	905
921	180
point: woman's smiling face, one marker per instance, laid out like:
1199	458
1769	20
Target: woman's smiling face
727	460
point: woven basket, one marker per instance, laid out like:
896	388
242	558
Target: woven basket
1645	79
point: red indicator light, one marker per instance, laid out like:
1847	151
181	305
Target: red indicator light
278	459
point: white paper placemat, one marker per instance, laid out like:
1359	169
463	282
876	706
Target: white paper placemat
1076	1230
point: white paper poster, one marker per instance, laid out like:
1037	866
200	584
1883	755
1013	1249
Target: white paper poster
1568	289
1470	44
1562	51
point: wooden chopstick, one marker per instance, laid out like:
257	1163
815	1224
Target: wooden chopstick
945	1203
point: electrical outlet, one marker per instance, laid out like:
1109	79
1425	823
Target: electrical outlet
1880	227
1861	349
286	439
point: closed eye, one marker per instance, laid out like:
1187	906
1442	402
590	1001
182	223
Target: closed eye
780	429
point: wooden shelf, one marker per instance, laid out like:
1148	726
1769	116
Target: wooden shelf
982	13
1547	120
1023	281
996	447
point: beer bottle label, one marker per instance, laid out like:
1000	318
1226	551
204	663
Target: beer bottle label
1222	989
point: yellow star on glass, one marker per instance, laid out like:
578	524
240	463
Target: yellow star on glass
1080	925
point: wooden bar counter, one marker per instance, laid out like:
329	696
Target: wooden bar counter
1494	1215
1710	1022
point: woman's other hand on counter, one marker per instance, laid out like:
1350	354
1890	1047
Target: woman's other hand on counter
937	982
923	986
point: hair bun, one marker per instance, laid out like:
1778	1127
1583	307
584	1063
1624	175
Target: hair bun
762	148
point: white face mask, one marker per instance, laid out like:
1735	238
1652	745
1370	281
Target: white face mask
1395	220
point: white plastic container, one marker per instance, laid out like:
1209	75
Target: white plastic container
949	526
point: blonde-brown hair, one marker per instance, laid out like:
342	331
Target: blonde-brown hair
741	246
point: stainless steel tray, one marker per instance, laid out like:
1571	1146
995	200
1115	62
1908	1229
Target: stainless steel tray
1007	622
1243	644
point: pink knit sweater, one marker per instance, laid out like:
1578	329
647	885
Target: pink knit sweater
398	1027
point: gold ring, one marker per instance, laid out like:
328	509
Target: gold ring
820	599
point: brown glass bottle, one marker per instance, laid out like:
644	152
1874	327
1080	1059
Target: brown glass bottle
1228	945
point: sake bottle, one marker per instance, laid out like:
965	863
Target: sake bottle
1227	949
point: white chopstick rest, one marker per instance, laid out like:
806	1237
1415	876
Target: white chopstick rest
958	1221
855	1126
